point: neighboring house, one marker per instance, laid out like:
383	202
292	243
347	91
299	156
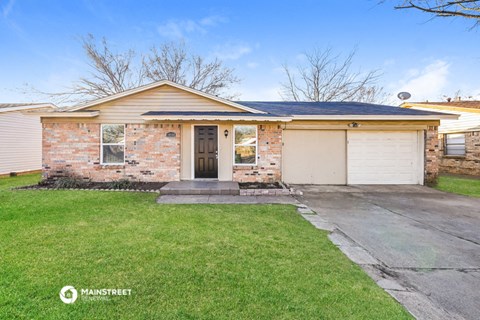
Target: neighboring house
20	138
459	139
166	132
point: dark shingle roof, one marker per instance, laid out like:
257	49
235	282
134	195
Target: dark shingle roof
284	108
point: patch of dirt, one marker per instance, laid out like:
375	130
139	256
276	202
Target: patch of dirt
260	185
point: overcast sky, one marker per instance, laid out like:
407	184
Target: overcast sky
39	41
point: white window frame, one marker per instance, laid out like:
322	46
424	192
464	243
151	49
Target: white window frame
245	145
445	144
112	144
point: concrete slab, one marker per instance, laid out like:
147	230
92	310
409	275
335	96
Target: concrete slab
421	307
305	210
449	289
353	251
426	242
318	222
364	188
225	199
199	187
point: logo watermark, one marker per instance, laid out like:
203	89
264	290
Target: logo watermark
69	294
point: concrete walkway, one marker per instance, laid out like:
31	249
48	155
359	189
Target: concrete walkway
225	199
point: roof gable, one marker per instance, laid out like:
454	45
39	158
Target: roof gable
154	93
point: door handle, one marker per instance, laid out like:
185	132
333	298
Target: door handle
216	154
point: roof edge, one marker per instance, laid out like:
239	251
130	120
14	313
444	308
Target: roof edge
29	107
407	105
57	114
375	117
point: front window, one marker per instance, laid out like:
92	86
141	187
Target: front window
245	145
113	144
455	144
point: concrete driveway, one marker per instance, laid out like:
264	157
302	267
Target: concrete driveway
426	241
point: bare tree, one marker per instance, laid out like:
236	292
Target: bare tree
329	77
110	73
172	62
113	72
469	9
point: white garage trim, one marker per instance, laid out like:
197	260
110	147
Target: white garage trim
385	157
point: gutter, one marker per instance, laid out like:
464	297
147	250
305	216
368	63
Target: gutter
90	114
438	116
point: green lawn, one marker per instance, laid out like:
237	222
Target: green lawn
460	185
181	261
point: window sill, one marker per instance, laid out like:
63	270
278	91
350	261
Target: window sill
454	156
244	166
112	166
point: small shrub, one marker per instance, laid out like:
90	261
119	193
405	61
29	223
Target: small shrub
120	184
69	182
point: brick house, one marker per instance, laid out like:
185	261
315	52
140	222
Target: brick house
167	132
459	140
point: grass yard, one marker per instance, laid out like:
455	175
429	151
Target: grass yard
181	261
461	185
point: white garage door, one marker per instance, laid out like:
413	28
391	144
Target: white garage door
383	157
314	157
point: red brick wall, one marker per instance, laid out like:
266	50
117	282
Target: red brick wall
268	168
431	155
74	149
469	164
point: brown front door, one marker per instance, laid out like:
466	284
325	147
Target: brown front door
206	152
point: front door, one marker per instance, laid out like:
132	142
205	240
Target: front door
206	152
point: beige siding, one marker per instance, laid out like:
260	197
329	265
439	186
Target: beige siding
187	153
165	98
314	157
225	153
20	142
364	125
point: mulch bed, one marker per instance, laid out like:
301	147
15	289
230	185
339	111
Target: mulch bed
140	186
260	185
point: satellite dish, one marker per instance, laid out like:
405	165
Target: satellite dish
404	95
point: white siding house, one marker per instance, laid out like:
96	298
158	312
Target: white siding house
459	140
20	138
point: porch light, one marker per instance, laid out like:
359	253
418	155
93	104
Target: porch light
225	133
354	125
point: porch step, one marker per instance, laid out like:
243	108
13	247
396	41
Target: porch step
201	187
